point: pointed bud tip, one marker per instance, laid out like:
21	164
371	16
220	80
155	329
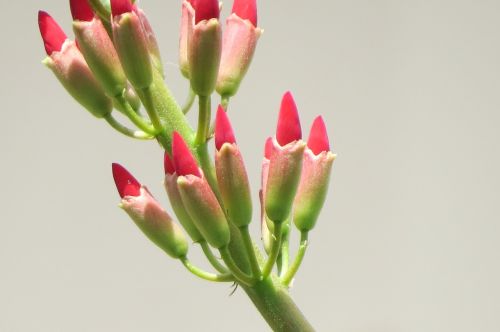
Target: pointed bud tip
288	129
205	9
184	162
81	10
268	150
318	137
125	182
168	164
246	9
119	7
52	34
223	130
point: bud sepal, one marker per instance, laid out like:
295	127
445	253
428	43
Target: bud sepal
155	223
238	47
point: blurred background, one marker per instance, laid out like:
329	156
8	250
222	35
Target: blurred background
409	240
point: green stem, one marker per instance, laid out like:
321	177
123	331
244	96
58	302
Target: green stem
206	275
103	14
284	255
137	134
235	270
275	250
203	120
211	257
189	101
278	309
123	106
247	241
297	261
224	102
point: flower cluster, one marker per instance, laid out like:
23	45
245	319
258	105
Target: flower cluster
114	64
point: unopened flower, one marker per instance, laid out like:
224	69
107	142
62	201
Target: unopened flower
285	162
97	48
131	44
317	165
69	66
197	196
148	215
238	46
231	173
204	46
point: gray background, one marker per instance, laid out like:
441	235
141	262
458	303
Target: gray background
408	241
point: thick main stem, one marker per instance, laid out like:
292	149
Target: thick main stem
277	307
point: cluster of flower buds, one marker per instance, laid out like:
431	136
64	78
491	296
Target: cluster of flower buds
114	62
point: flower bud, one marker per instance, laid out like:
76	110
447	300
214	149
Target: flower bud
175	199
285	164
231	173
70	68
204	47
154	49
238	46
266	232
131	44
148	215
316	171
197	196
97	48
187	23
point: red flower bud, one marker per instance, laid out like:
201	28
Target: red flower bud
246	9
184	162
168	164
223	130
119	7
52	34
81	10
288	129
205	9
318	137
125	182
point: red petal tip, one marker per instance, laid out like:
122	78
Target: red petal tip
288	129
81	10
168	164
125	182
52	34
268	150
223	131
119	7
246	9
184	162
205	9
318	137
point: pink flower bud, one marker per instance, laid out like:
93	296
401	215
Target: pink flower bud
238	47
148	215
204	47
316	170
184	161
154	49
246	9
285	164
97	48
131	44
231	173
81	10
70	68
52	34
175	199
